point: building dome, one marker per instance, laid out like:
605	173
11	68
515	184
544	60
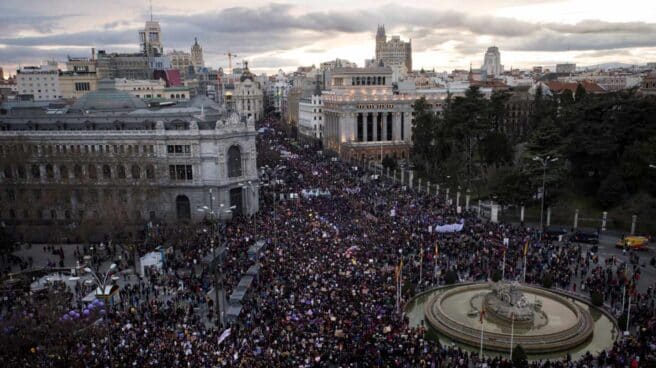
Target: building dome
246	74
107	97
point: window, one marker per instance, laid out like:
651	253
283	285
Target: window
37	194
150	172
136	171
9	173
77	171
21	171
181	172
107	172
82	86
93	172
234	162
36	172
120	172
63	171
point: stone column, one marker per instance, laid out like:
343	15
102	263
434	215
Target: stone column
396	126
402	176
576	219
419	185
428	188
437	190
364	126
410	177
634	219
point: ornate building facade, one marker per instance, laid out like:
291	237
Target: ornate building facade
111	160
245	96
393	52
197	54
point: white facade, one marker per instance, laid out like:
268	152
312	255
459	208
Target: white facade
150	39
180	60
310	117
151	89
40	81
197	55
492	63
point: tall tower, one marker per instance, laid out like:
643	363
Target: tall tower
151	39
492	62
197	54
381	40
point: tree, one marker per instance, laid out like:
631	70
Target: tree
518	357
612	191
580	92
424	143
389	163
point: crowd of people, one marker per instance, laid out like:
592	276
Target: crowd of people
325	295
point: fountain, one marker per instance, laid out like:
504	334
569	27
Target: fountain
540	320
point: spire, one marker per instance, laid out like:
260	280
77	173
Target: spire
151	10
195	40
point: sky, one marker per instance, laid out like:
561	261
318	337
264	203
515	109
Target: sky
446	34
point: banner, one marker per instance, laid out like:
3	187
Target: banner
450	228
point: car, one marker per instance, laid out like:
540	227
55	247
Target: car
582	236
633	243
554	233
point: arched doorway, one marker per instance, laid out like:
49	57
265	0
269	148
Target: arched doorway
236	200
182	207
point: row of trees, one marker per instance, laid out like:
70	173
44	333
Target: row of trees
604	142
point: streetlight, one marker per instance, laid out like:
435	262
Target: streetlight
216	266
544	161
252	187
101	284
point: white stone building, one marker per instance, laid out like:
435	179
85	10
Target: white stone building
197	55
152	89
245	96
182	61
310	115
42	82
393	52
492	67
109	159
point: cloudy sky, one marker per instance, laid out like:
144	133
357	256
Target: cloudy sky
445	34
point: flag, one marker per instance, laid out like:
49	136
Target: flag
526	248
482	314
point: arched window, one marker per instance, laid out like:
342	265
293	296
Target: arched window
9	173
120	172
36	171
93	172
136	171
150	172
21	171
234	161
63	171
182	207
50	172
77	171
107	172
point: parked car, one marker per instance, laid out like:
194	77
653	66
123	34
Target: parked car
582	236
633	242
554	233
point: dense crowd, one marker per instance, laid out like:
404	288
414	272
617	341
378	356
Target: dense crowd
325	294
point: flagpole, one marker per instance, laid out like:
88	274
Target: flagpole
628	315
480	353
421	265
524	277
503	266
623	296
512	332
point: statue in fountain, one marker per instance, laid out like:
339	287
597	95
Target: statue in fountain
506	301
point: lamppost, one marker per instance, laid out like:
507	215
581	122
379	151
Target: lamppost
252	187
104	279
216	266
544	161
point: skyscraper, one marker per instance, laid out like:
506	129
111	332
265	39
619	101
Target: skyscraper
492	63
